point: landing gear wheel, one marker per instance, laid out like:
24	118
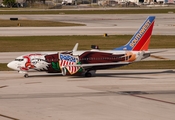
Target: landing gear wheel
26	75
88	74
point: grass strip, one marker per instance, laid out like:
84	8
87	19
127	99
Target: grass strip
60	43
164	64
105	11
35	23
3	67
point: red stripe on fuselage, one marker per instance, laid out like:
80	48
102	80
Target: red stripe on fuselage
144	39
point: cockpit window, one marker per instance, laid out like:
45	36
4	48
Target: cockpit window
19	59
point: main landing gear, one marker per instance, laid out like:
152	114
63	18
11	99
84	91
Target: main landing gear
88	74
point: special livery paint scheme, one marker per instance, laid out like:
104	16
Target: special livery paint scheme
87	62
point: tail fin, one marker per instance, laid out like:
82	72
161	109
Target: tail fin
141	39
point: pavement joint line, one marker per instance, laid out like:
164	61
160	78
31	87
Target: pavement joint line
5	116
33	82
3	86
135	94
152	99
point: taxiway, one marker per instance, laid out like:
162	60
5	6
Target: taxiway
111	95
112	24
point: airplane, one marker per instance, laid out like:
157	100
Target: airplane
88	61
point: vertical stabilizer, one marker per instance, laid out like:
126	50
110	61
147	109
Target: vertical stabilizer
141	39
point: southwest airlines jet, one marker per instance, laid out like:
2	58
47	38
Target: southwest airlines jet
87	62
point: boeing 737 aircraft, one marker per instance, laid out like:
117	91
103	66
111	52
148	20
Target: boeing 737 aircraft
87	62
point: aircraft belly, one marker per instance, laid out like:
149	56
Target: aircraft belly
104	67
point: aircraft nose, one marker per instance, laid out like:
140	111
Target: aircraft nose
11	65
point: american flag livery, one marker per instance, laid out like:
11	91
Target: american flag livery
69	61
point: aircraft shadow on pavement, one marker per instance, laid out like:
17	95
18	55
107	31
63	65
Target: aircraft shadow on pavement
47	75
124	75
121	75
137	73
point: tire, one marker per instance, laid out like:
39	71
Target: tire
26	75
88	74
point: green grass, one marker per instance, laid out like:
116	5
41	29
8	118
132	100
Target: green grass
164	64
3	67
57	43
105	11
34	23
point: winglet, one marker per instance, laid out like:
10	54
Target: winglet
75	47
141	39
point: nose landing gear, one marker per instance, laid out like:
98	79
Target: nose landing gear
26	75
